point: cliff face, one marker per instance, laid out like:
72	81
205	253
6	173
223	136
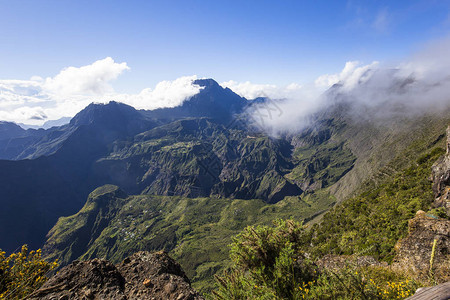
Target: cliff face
441	179
426	248
143	275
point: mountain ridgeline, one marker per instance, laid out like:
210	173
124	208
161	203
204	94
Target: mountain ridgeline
199	149
186	179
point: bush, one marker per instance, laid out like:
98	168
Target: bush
371	282
22	273
268	263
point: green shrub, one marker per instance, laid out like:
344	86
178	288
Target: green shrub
267	264
371	282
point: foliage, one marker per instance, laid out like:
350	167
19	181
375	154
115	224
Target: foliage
23	272
373	222
371	282
267	263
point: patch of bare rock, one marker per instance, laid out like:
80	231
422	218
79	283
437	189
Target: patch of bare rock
426	249
143	275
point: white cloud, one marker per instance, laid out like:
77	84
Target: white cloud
418	83
87	80
251	91
288	108
165	94
37	100
381	94
352	74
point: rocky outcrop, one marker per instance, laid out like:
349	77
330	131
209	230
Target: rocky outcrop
143	275
441	178
415	252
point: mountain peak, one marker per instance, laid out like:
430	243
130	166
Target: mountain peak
206	82
101	113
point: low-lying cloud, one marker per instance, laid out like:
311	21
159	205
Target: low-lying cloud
376	92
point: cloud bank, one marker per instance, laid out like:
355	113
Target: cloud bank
376	92
38	100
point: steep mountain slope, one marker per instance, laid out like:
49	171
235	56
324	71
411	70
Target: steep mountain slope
339	155
196	231
35	192
373	148
373	222
77	158
200	149
200	157
14	139
161	152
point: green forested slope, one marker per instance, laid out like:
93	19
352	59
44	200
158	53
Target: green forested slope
196	231
372	222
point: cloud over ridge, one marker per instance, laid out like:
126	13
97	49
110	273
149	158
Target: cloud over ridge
419	83
415	86
37	100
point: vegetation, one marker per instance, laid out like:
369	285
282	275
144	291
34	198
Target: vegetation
118	225
269	263
196	231
272	262
373	222
22	273
323	164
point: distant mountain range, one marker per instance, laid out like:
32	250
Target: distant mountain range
203	148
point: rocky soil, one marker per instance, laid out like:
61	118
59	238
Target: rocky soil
143	275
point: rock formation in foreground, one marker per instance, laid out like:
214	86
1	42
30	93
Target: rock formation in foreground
143	275
415	252
441	179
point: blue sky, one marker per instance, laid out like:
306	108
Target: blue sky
265	42
261	41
